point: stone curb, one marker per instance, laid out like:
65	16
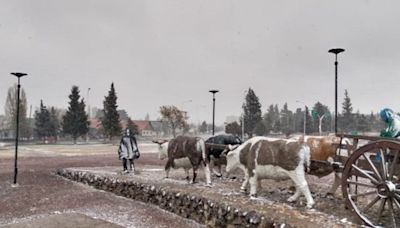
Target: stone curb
199	209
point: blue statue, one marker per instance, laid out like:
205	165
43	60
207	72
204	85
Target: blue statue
392	121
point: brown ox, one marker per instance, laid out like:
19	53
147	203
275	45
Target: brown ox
185	152
323	149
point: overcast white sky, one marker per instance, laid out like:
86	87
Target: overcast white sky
160	52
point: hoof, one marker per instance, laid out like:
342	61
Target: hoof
309	206
209	185
243	190
291	199
253	197
219	175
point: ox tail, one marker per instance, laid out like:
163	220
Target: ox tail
201	146
307	157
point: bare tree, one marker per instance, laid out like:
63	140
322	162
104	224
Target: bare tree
11	111
175	118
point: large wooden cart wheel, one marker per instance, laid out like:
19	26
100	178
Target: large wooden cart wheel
371	183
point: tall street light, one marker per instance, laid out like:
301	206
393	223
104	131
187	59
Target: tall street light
18	75
305	119
213	123
336	51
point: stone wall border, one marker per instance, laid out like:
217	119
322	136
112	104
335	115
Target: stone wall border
199	209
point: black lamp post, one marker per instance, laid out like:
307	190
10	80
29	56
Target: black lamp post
18	75
336	51
213	125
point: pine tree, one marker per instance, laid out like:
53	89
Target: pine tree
252	112
133	128
268	119
347	122
299	120
260	129
309	124
277	126
362	123
123	115
110	120
286	120
42	122
233	128
75	121
54	127
203	127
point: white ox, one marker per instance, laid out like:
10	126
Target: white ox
267	158
185	152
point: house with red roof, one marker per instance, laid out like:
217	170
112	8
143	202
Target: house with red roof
146	128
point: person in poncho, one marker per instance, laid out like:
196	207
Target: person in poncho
128	151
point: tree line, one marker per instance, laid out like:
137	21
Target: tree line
49	123
317	119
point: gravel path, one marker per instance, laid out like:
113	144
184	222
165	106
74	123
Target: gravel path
41	195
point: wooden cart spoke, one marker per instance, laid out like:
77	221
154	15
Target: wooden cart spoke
381	208
372	203
392	168
397	203
361	184
363	194
373	167
392	213
364	172
383	162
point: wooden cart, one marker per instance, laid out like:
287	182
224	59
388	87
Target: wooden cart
371	179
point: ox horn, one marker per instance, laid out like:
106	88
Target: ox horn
226	150
229	148
160	141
